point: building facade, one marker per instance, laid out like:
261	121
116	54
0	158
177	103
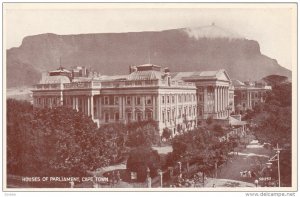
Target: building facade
146	93
175	100
214	93
249	94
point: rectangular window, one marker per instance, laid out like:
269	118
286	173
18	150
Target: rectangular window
163	99
138	83
148	100
129	117
179	98
138	100
95	111
168	116
173	114
173	99
128	100
149	115
116	100
163	116
180	112
117	116
168	99
106	100
139	116
111	100
106	117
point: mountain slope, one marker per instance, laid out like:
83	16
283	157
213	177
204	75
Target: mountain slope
112	53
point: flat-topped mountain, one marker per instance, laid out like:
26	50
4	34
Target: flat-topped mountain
186	49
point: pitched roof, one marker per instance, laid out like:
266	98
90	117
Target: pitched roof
199	75
236	82
145	75
54	79
60	70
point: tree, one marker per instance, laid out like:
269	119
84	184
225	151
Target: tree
143	133
116	137
274	80
209	120
218	129
274	121
142	158
53	142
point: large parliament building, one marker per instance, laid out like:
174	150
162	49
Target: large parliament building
176	100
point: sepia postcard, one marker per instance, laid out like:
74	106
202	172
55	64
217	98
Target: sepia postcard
150	97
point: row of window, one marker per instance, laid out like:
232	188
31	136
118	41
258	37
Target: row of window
114	100
253	95
252	103
181	98
47	101
171	114
129	116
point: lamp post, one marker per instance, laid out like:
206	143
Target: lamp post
179	163
148	178
161	177
216	169
276	158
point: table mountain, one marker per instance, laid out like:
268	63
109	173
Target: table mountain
186	49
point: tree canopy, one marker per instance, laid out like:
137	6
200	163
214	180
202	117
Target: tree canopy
58	141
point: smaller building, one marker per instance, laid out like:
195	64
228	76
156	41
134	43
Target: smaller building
249	94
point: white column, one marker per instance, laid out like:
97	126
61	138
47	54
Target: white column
83	104
123	106
248	99
100	108
226	101
88	106
222	99
216	100
76	103
143	100
92	106
133	108
205	99
219	99
153	107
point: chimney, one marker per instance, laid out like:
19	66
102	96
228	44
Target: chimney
133	69
167	70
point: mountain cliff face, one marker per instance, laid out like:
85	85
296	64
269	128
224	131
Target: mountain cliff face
197	49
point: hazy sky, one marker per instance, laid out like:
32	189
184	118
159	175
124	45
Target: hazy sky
272	27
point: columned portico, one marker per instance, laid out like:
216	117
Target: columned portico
221	101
